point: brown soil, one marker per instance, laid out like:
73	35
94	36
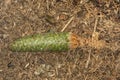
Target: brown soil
83	17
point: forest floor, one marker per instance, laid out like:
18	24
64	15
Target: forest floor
19	18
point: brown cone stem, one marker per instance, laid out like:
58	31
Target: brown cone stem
76	41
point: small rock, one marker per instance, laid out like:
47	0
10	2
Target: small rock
50	19
45	69
10	65
63	17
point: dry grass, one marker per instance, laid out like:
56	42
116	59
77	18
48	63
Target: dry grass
94	21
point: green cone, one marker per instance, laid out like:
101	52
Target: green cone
42	42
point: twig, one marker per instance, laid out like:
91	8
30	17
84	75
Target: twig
1	70
95	34
88	61
27	65
47	2
67	24
95	26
